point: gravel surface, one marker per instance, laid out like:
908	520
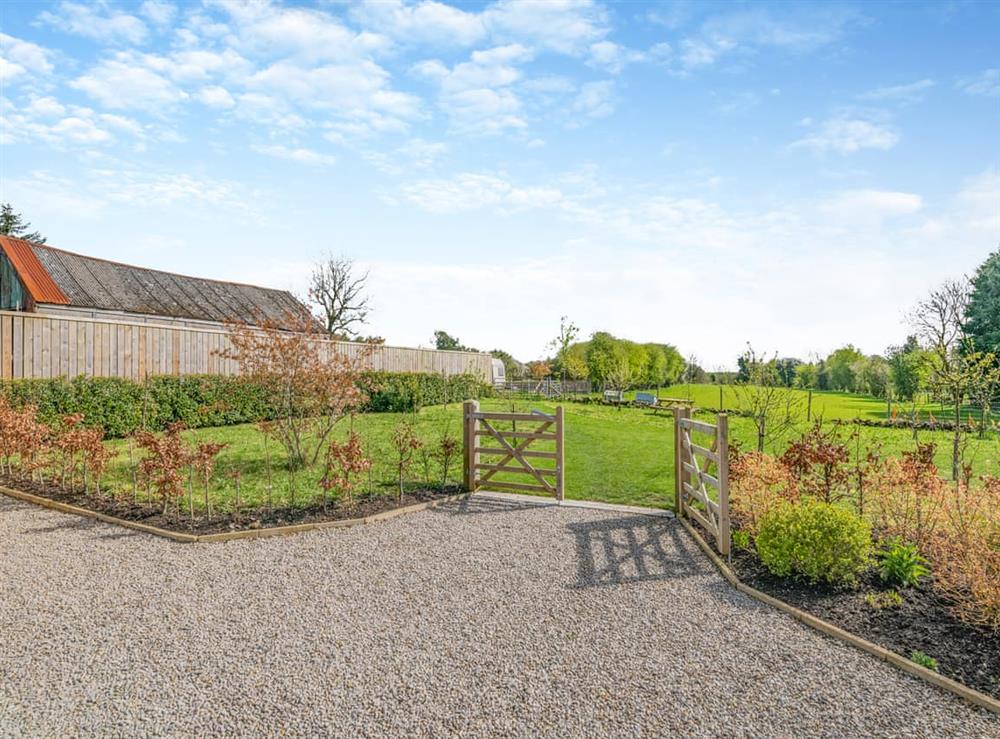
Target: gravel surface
478	618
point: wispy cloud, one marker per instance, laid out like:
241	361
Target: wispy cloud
845	135
985	83
97	21
295	154
913	92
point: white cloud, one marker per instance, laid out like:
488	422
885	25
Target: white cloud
126	81
300	155
470	191
563	26
422	22
216	97
46	119
913	92
477	94
97	21
985	83
19	58
415	154
613	57
595	99
159	12
848	135
872	205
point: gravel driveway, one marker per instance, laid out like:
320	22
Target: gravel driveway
481	618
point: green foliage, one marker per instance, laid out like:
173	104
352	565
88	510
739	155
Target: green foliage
907	368
444	340
806	376
924	660
841	366
884	601
816	540
900	564
403	392
12	223
122	406
741	540
982	314
621	364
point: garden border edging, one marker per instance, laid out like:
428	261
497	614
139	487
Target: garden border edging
262	533
940	681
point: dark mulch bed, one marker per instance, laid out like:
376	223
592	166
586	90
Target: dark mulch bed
251	519
922	623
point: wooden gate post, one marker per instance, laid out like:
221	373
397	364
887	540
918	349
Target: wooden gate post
722	449
560	456
677	461
470	425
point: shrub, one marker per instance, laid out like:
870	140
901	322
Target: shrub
966	554
900	564
924	660
121	406
884	601
818	462
758	483
817	540
407	392
907	497
741	540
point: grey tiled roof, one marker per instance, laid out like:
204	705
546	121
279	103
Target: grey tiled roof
100	284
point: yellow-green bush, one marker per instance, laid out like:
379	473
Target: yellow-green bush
816	540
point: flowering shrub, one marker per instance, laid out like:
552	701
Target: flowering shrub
966	554
906	496
818	462
758	483
345	463
164	462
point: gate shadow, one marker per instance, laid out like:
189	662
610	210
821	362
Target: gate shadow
478	505
631	549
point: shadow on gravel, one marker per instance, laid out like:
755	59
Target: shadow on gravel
66	523
631	549
476	506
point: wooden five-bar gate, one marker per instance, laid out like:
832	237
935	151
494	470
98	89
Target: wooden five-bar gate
501	449
695	481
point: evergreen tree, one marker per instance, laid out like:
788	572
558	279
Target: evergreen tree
13	224
982	315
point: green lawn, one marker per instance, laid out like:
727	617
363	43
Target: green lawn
829	405
615	456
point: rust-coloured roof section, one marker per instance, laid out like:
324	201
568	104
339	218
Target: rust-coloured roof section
55	276
36	279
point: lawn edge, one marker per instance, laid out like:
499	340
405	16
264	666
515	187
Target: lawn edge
968	694
262	533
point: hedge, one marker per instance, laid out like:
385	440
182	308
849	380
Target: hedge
120	406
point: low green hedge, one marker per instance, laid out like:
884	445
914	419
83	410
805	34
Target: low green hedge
120	406
403	392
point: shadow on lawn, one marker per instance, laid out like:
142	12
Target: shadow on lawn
632	549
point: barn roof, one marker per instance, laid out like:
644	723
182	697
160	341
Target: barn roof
60	277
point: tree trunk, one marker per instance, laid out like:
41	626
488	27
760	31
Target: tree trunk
957	441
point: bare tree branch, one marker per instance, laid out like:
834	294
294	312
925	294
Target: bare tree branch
338	292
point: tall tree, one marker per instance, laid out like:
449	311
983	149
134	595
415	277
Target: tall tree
12	223
337	289
906	368
982	313
954	372
568	332
841	365
445	341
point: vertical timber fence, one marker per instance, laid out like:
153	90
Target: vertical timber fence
694	463
501	450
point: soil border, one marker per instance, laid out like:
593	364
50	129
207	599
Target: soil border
945	683
261	533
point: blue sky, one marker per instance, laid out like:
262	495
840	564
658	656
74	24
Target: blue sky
706	174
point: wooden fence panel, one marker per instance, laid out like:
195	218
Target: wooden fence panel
35	345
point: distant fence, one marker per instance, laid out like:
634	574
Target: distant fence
549	388
38	346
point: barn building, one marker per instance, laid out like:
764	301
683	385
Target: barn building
67	314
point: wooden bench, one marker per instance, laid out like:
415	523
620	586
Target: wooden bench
647	399
616	397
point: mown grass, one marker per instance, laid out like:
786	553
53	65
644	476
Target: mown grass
612	455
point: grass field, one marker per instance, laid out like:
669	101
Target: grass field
615	456
828	405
